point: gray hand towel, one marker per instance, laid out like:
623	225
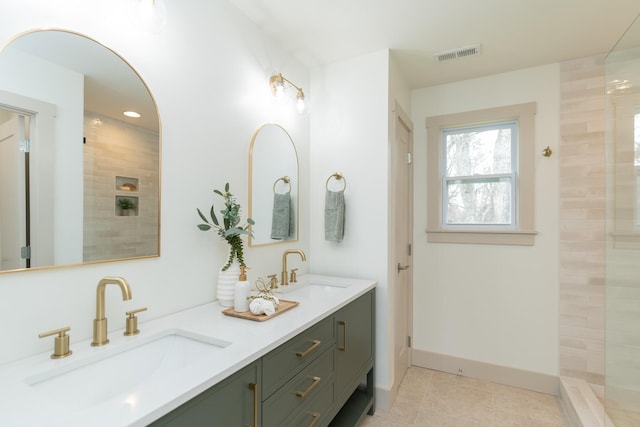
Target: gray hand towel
281	218
334	216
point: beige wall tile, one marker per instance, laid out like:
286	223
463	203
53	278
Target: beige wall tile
582	219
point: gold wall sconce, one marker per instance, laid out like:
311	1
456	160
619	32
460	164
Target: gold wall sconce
277	83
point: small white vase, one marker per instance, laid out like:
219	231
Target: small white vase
227	279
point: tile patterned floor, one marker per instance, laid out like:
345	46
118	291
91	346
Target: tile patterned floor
428	398
621	416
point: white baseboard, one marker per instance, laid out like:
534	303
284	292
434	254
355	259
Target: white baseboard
520	378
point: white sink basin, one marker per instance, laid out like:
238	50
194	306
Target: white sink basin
302	283
331	284
120	369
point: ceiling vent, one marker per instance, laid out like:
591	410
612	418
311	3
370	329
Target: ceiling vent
463	52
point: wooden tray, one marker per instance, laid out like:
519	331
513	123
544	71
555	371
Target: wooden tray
282	307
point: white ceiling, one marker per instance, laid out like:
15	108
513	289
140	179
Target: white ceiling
513	34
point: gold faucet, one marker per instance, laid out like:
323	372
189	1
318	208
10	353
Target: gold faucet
285	279
100	322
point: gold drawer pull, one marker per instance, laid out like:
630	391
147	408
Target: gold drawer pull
316	417
343	323
302	354
254	387
314	384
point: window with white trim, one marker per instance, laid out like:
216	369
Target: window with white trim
480	176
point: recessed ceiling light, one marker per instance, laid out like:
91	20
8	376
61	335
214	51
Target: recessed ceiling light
133	114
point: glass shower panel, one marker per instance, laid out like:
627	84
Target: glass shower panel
622	352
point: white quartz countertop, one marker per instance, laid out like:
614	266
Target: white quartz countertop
22	404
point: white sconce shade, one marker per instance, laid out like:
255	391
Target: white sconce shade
300	101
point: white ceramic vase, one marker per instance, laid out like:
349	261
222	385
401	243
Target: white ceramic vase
227	284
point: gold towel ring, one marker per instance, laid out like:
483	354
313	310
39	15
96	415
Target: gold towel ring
284	179
338	176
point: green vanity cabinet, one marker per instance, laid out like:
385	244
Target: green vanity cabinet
322	376
233	402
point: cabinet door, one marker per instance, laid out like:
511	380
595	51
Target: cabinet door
232	403
354	343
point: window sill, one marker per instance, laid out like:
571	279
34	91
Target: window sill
518	238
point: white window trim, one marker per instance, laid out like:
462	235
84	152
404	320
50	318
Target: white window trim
524	232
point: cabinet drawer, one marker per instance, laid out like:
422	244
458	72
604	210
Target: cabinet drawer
300	391
287	360
316	412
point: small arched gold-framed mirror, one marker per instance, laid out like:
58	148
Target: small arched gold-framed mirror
273	186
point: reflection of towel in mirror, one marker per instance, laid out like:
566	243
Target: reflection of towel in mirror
281	218
334	216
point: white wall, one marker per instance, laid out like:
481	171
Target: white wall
349	125
493	304
208	71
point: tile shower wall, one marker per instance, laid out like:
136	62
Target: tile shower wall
114	148
582	220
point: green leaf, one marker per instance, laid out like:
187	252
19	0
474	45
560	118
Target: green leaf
251	221
213	216
204	227
218	192
226	187
202	216
234	232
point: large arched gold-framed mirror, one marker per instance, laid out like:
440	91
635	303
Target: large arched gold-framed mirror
79	159
273	186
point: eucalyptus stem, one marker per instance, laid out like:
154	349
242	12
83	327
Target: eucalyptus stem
228	228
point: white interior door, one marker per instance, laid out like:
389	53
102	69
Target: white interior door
13	216
403	198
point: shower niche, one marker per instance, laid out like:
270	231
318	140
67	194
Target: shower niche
126	196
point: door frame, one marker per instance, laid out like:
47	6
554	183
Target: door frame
399	115
41	159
